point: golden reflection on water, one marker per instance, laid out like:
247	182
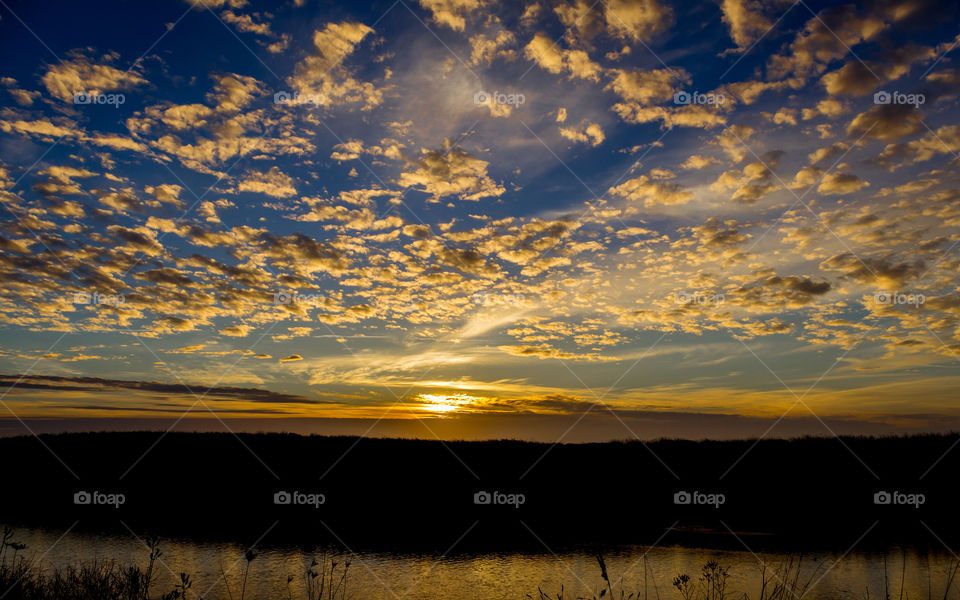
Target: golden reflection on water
489	576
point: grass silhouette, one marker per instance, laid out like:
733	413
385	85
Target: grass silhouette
784	581
327	579
22	578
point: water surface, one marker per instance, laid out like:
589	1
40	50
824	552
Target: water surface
491	576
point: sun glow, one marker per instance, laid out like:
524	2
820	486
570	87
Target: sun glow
442	404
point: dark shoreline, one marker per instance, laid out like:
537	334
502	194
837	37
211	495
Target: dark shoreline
807	493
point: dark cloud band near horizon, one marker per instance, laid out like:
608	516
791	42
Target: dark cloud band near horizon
537	428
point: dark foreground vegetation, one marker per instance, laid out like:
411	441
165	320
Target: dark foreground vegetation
330	579
788	580
410	493
26	579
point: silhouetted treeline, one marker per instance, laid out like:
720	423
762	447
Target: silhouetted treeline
412	493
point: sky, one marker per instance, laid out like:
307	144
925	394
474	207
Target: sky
552	220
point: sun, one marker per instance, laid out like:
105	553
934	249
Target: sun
444	403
